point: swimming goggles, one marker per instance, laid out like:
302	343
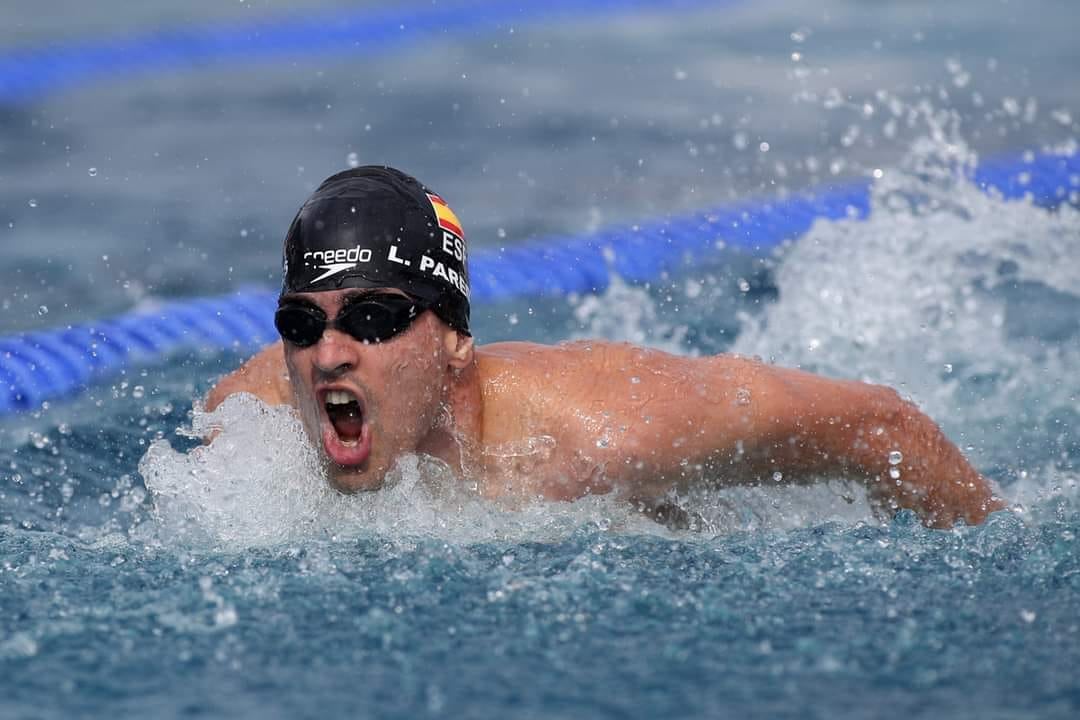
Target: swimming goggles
368	318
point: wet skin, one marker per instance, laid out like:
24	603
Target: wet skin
522	420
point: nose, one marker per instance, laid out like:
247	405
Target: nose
336	352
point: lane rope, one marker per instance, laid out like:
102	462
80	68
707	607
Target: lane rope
30	73
41	365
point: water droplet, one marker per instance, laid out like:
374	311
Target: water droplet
138	391
777	476
1027	616
635	380
602	443
20	645
742	396
948	367
894	473
32	202
92	172
1062	117
43	310
896	457
353	160
225	616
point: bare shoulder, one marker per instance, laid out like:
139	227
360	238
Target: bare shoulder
531	388
511	375
594	364
603	368
656	397
264	375
566	356
510	367
606	405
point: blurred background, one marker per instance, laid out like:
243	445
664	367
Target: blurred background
167	174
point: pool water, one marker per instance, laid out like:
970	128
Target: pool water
142	573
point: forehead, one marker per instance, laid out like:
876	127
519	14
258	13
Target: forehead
332	300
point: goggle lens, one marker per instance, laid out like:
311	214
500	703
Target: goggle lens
371	319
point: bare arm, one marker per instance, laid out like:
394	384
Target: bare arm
816	425
743	420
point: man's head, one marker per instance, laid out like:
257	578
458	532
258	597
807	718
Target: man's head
365	259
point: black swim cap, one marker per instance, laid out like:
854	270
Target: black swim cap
376	227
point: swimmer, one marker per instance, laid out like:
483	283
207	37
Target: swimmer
377	357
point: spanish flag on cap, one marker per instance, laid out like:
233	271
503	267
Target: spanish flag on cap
447	219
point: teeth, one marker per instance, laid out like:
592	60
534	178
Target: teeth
339	397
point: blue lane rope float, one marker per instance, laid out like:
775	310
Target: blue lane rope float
41	365
26	74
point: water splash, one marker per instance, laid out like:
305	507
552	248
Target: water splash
628	314
960	300
260	483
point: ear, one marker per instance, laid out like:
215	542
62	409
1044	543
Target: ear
459	348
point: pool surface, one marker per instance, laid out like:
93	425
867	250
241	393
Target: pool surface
143	574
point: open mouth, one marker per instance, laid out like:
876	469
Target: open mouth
344	413
346	435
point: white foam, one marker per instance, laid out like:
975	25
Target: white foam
260	483
918	297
